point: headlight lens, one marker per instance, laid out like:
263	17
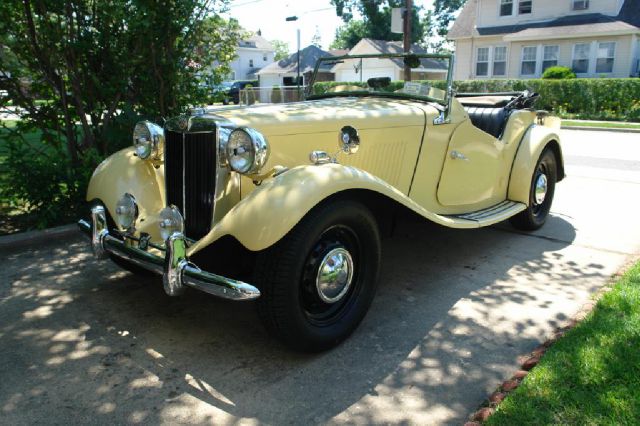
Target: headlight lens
126	211
148	139
170	222
247	151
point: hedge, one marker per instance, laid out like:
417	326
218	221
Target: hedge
588	99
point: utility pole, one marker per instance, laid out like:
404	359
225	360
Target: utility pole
407	35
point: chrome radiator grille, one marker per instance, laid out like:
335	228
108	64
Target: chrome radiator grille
190	178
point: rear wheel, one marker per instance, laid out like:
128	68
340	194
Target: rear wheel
318	282
543	184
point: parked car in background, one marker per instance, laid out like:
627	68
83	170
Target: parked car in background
286	204
230	90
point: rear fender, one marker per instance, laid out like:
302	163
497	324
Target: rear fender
535	140
271	210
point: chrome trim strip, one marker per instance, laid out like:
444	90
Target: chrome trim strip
191	275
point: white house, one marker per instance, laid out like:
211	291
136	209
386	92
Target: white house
393	68
254	53
522	38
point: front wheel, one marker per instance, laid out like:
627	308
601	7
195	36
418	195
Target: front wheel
318	282
543	184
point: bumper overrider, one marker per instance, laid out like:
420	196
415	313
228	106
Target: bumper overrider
176	269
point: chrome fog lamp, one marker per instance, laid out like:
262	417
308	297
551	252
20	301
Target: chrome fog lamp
126	212
247	151
170	222
148	140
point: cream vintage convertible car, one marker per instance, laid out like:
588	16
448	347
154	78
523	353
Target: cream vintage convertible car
286	203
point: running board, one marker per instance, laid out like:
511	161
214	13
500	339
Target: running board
488	216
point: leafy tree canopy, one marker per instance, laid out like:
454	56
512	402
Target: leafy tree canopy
81	72
375	23
281	48
443	15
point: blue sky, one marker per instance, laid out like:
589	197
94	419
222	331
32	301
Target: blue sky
269	16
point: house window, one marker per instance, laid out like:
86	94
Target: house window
604	62
506	7
500	60
579	4
264	58
580	63
549	57
524	7
251	63
482	61
529	54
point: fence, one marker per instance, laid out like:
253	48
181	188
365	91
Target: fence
271	95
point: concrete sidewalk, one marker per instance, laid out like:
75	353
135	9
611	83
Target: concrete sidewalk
94	344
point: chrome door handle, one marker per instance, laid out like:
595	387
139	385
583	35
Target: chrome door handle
456	155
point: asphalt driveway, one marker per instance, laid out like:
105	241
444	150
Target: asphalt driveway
82	341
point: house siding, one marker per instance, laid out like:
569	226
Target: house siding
489	16
623	65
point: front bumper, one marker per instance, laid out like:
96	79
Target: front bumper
176	270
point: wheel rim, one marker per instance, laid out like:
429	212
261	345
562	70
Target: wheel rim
330	281
334	275
539	189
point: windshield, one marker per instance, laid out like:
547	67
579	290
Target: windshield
382	75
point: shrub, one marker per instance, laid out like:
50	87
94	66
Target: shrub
582	98
558	73
249	94
276	95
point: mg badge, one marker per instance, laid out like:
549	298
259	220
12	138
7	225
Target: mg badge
183	123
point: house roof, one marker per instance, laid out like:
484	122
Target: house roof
308	57
384	46
256	42
628	20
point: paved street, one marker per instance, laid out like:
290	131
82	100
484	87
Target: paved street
82	341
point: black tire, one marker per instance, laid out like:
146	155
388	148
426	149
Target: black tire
536	213
291	306
128	266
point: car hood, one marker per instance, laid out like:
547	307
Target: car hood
324	115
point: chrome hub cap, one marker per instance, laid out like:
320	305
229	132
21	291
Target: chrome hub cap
334	275
541	188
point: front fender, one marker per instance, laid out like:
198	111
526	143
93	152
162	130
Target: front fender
535	140
124	172
272	209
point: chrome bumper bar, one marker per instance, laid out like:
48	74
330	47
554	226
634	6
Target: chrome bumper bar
175	268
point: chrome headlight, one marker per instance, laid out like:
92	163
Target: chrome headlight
171	221
247	151
148	139
126	212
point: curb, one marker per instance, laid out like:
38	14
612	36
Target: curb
529	361
29	238
600	129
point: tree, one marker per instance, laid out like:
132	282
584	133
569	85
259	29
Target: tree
99	66
281	48
444	13
316	40
375	23
349	34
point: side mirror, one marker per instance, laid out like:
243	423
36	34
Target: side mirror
412	61
349	140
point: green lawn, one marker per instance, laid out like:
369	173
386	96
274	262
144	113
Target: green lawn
605	124
592	375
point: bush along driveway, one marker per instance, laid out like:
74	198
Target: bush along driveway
589	376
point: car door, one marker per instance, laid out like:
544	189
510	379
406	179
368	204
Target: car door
473	173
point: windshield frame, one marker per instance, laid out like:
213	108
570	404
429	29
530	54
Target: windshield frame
445	102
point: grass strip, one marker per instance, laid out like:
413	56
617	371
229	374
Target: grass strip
604	124
592	375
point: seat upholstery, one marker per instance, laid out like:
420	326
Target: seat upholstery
489	120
